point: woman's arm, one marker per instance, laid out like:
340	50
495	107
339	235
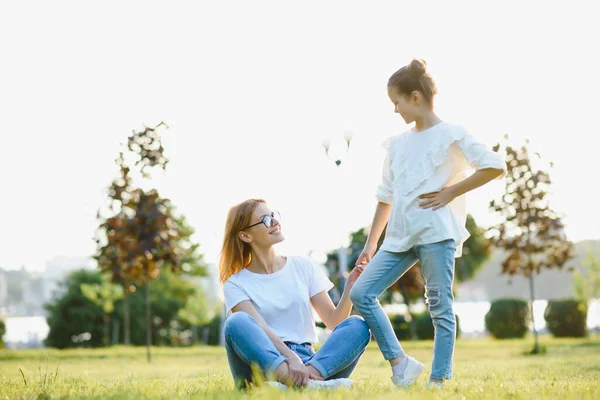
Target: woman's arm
330	314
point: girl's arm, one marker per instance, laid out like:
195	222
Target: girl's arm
380	219
479	178
439	199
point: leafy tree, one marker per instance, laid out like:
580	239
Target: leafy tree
141	235
531	233
196	312
72	314
74	320
104	295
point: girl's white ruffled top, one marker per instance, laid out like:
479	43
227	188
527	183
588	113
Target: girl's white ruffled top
427	161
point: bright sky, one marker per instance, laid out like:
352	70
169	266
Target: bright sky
250	90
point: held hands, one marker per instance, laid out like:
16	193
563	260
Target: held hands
438	199
354	274
365	256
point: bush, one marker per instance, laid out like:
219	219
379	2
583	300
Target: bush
567	318
2	332
507	318
401	325
424	326
214	330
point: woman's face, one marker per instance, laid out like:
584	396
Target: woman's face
264	228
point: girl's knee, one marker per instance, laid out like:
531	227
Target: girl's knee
357	295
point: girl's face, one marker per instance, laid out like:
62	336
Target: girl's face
264	229
409	107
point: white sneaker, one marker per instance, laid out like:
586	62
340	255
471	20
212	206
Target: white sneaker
276	385
410	374
434	385
341	383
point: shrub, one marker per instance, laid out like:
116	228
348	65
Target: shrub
507	318
567	318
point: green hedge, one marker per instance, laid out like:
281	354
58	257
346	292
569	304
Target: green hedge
424	326
507	318
567	318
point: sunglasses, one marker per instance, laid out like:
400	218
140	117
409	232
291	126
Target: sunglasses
268	220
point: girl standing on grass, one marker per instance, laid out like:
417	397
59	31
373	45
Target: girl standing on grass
421	199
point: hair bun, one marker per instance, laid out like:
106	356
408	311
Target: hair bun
417	67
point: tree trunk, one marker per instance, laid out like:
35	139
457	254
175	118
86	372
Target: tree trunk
126	317
148	322
115	331
195	334
205	332
536	346
106	339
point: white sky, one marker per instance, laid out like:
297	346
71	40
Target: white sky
250	90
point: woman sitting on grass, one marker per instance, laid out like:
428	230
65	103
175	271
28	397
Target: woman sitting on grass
268	297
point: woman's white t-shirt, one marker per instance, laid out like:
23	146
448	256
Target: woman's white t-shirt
282	298
424	162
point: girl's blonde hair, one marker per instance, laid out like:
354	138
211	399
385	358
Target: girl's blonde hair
235	253
414	77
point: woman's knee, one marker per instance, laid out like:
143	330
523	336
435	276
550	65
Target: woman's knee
236	321
359	327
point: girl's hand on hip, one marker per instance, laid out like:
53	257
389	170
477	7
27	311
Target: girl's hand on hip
437	200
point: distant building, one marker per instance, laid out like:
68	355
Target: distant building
57	269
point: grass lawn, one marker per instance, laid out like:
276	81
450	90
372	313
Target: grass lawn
483	368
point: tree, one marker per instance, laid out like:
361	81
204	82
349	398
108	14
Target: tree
587	285
411	285
529	231
104	295
141	233
476	251
196	312
73	319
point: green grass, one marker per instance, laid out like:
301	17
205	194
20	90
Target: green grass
483	369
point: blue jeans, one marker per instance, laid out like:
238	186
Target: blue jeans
437	262
247	344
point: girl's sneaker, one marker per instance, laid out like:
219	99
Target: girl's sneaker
434	385
410	374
